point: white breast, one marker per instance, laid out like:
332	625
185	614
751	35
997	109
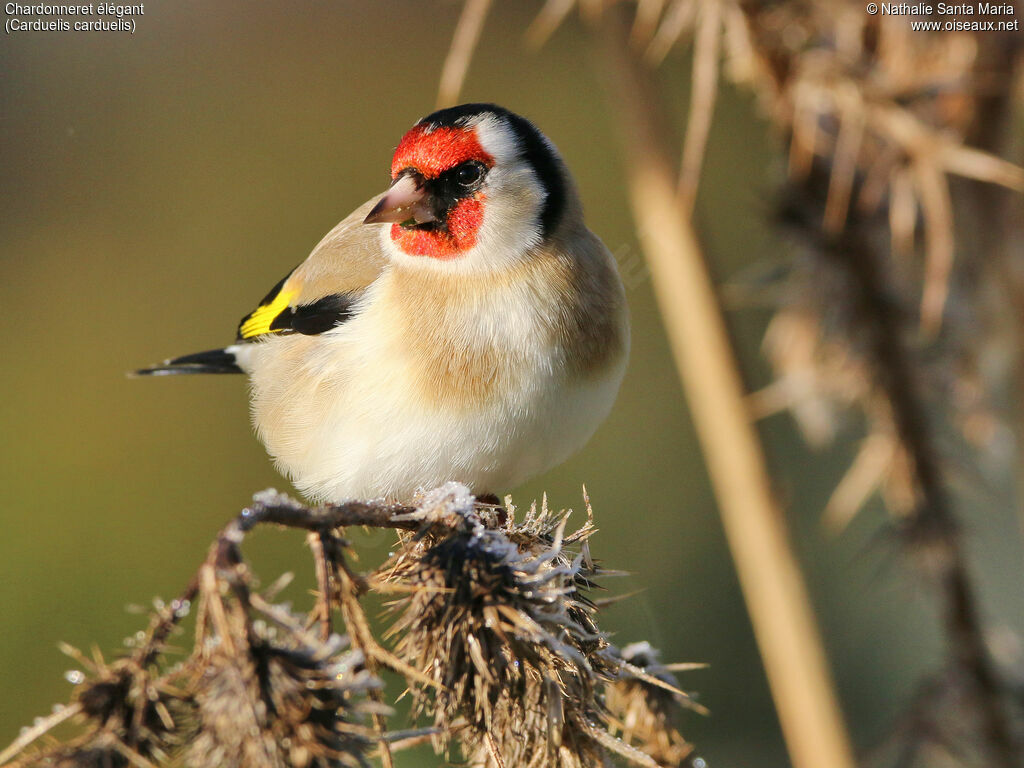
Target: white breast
346	414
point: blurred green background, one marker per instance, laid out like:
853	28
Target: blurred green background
156	185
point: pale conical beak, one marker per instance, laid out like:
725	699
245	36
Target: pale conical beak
407	202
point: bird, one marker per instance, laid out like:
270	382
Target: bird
465	326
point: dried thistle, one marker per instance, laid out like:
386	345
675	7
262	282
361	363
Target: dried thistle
130	718
280	706
272	694
498	618
880	119
644	704
494	618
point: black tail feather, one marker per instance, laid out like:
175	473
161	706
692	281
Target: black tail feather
211	361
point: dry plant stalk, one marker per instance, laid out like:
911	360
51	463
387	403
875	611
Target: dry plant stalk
776	596
456	64
493	632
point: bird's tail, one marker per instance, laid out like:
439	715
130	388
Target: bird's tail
211	361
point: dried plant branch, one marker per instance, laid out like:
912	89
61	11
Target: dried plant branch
776	596
460	53
938	216
273	507
316	542
38	730
679	17
862	479
499	603
645	23
548	20
849	139
707	50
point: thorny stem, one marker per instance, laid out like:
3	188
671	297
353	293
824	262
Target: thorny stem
495	754
362	639
932	525
995	214
317	543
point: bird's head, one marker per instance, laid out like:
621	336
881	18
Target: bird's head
474	186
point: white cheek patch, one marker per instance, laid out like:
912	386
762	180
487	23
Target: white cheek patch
511	224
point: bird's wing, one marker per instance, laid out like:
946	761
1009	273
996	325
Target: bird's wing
316	296
320	293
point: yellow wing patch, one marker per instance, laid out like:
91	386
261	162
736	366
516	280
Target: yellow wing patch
259	320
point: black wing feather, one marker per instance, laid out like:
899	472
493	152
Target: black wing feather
315	318
211	361
307	319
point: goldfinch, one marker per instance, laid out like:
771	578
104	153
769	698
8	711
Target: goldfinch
466	326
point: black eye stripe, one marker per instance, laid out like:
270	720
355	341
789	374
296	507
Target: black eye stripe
461	181
448	188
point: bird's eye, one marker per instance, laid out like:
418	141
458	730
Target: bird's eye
469	174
